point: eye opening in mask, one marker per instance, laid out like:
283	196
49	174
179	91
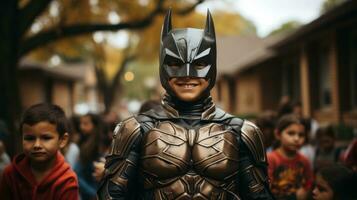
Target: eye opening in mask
199	64
173	62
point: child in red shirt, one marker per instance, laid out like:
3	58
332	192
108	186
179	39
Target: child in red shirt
40	172
289	171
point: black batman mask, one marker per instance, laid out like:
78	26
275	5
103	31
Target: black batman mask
187	52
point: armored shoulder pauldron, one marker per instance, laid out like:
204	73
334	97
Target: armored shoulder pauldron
253	139
125	134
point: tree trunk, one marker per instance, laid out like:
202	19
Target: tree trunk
13	24
108	97
10	107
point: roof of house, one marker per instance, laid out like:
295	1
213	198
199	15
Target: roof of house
346	10
236	53
67	71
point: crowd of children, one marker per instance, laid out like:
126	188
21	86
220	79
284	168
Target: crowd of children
60	159
304	161
64	159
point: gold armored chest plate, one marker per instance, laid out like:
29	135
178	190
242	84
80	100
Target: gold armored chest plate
189	163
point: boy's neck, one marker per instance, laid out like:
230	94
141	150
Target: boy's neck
41	169
287	154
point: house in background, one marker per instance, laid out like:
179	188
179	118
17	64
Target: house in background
238	87
316	65
68	86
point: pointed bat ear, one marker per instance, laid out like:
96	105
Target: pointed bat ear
209	28
167	26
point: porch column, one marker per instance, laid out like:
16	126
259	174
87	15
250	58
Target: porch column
305	83
334	77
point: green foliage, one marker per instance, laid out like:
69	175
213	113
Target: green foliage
143	43
286	28
137	89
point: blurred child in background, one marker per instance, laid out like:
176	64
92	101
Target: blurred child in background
40	172
335	182
266	122
289	171
71	150
326	151
92	149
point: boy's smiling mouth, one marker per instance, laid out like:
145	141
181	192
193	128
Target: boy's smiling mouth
186	84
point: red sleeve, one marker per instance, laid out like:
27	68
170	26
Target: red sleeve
69	186
70	194
350	154
271	164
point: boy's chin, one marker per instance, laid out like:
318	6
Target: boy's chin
41	158
292	149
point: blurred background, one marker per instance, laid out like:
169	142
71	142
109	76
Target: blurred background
101	56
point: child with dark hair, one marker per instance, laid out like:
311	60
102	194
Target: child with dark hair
326	152
92	146
310	122
335	182
289	171
71	150
40	172
285	106
266	122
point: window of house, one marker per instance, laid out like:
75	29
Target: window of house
291	79
285	80
324	78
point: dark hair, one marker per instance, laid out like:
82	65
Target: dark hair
296	104
266	119
285	106
341	180
74	124
266	122
90	144
325	131
45	112
287	120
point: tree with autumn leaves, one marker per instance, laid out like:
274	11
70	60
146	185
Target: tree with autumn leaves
30	24
41	28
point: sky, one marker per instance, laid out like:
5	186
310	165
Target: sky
268	15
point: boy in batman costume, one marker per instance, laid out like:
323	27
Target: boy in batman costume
190	149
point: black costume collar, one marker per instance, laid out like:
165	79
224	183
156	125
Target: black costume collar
203	108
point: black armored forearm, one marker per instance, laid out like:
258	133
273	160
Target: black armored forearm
253	180
253	177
